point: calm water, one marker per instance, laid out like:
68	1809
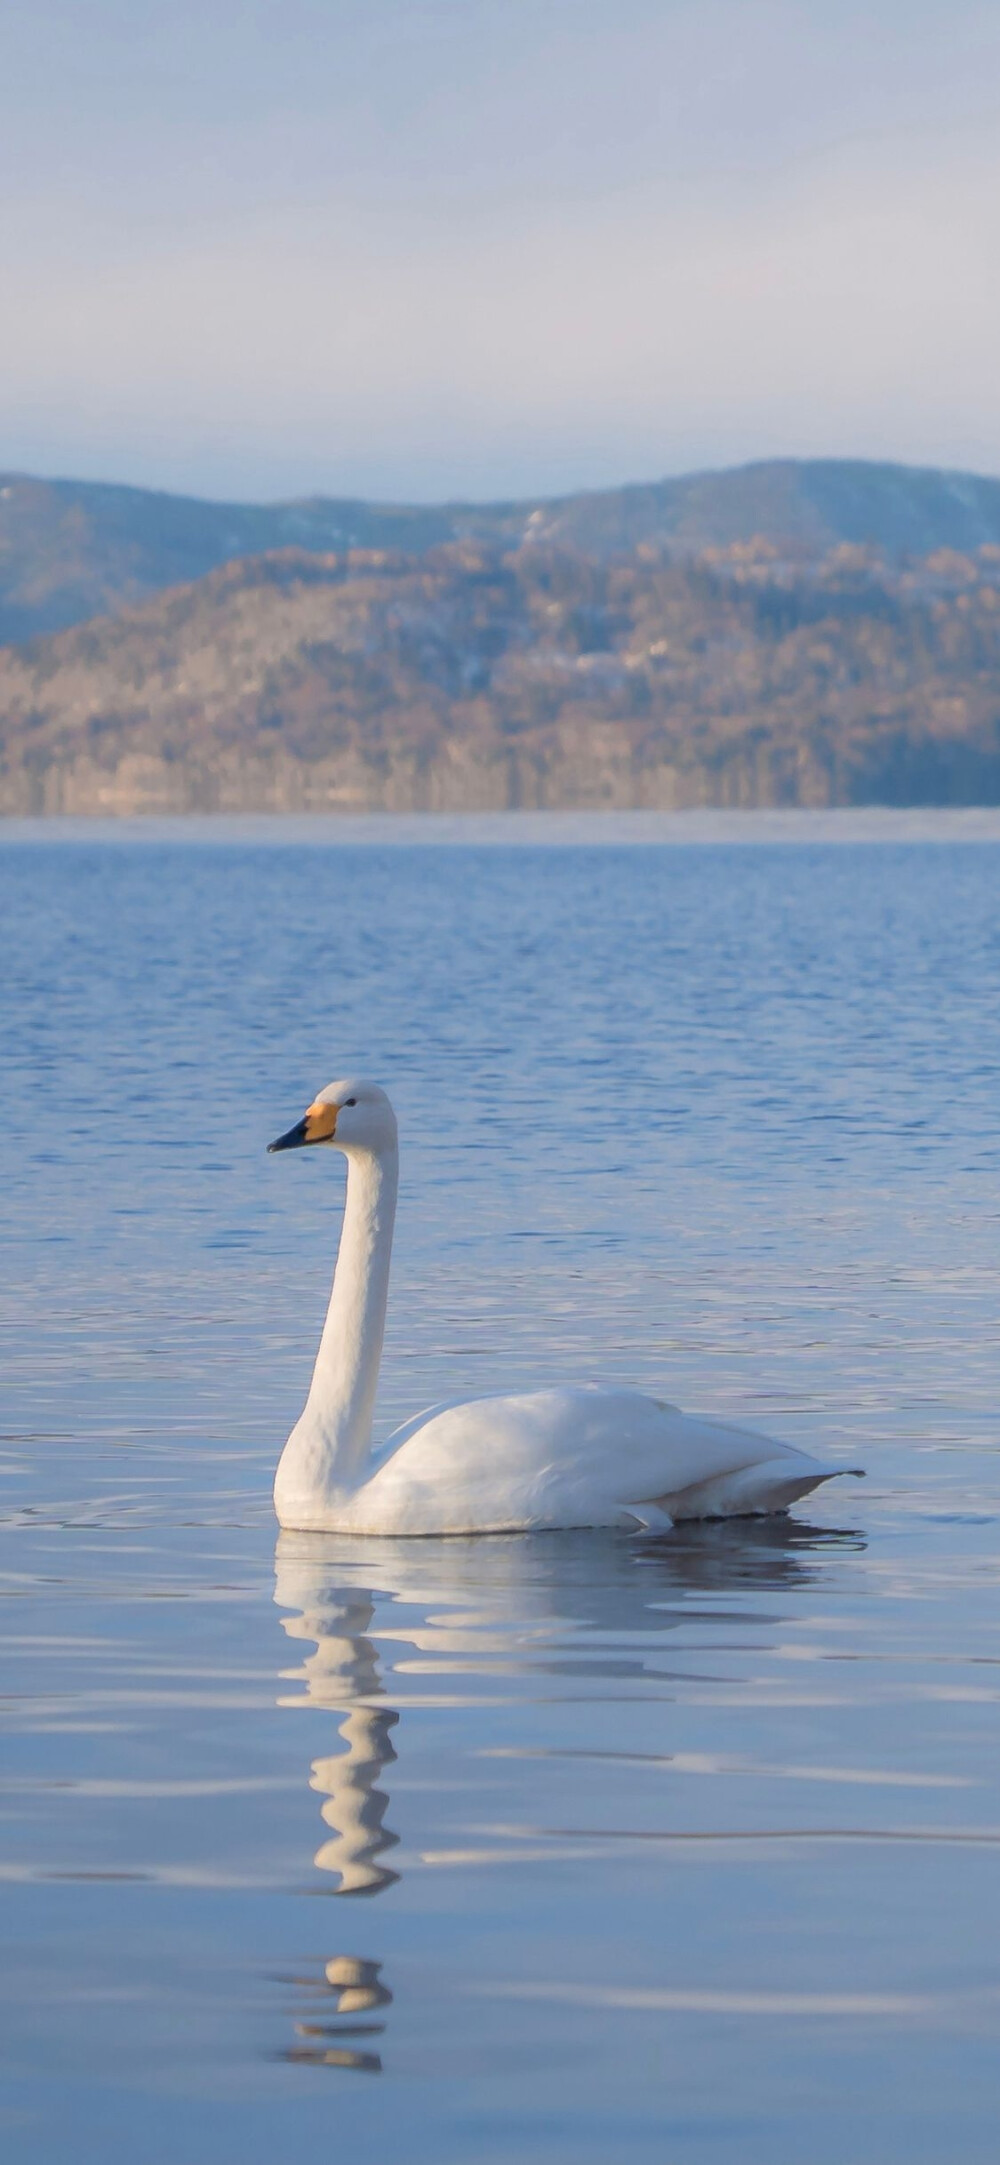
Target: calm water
575	1848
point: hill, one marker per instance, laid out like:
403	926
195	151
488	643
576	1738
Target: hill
70	550
477	676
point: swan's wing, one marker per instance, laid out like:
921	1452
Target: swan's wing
386	1450
578	1456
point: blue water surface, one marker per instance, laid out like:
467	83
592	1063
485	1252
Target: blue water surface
570	1849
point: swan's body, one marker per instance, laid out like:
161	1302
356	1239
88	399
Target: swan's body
577	1456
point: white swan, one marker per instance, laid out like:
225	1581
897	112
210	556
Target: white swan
576	1456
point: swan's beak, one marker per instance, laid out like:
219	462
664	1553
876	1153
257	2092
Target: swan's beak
318	1125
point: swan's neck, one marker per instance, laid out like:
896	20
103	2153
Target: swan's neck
341	1402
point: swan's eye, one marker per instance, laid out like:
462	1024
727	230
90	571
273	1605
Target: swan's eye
350	1101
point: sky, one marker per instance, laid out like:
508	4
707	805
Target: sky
417	249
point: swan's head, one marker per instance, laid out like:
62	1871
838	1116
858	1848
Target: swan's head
349	1116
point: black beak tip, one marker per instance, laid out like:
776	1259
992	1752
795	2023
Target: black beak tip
293	1140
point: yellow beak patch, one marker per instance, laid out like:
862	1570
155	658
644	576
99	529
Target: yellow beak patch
320	1123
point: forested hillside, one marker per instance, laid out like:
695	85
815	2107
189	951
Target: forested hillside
477	675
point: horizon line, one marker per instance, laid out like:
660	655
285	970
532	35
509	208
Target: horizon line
11	475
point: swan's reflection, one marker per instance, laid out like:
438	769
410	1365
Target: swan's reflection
340	1989
593	1604
343	1674
599	1604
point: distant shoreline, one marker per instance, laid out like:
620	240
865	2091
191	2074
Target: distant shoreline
703	828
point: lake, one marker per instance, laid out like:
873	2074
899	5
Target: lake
564	1849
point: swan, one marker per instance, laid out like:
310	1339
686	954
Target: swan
579	1455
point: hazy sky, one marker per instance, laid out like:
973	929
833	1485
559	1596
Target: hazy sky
420	248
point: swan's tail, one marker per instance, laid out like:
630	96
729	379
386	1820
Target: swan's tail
751	1492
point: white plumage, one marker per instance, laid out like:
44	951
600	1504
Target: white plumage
580	1455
